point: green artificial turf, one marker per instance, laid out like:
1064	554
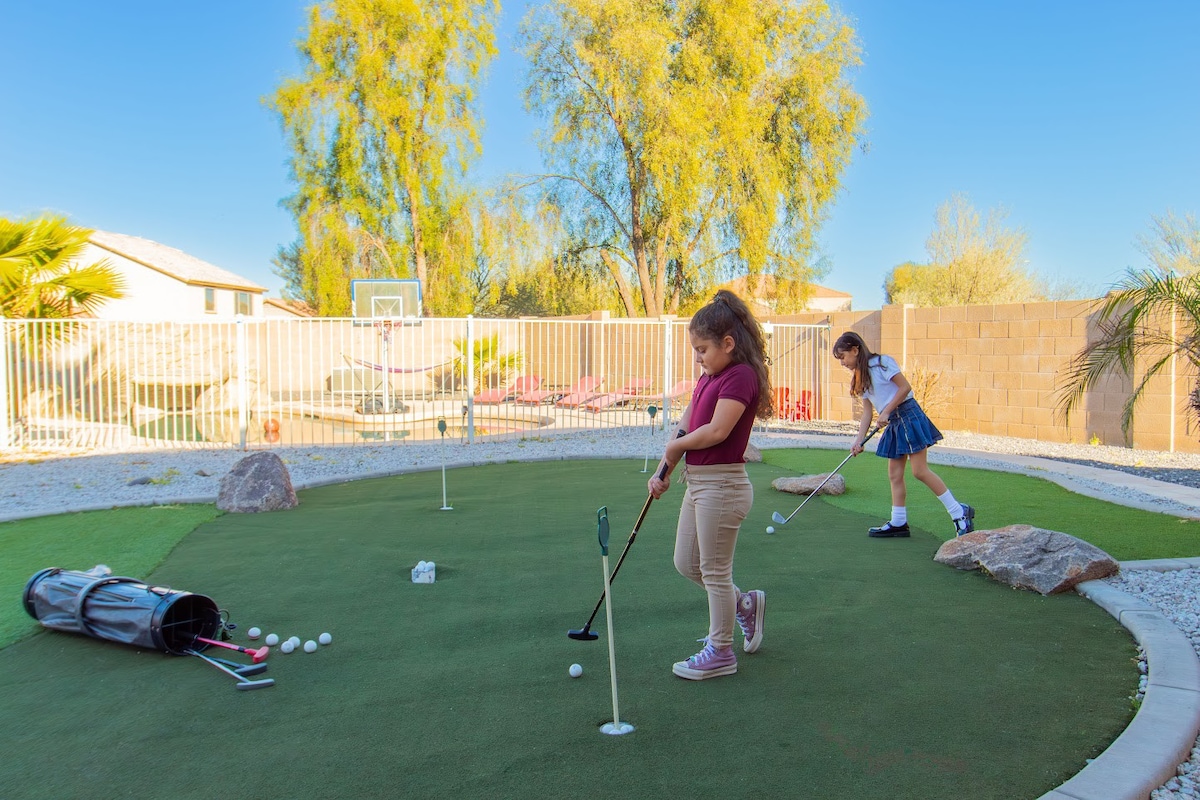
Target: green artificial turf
999	499
882	675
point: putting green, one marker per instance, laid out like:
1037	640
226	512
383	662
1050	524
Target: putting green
882	674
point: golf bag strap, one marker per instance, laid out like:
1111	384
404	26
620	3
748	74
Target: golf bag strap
80	618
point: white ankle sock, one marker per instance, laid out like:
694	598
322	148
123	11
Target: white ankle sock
899	515
953	507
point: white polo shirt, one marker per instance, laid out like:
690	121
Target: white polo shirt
883	369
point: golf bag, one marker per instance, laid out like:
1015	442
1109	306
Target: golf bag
122	610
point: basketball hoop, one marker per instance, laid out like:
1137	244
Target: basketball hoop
385	325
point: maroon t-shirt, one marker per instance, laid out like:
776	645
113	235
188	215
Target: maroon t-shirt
736	382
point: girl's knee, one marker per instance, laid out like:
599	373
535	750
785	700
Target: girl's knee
688	569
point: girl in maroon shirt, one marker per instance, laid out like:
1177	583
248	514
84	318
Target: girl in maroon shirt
734	389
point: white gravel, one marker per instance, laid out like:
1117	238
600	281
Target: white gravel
51	484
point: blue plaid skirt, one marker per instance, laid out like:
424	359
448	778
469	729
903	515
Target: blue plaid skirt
908	431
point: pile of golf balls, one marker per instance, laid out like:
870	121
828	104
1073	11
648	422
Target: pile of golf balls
425	566
293	643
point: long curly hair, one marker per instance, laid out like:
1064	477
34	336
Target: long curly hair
728	315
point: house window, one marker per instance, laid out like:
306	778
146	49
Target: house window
210	300
243	304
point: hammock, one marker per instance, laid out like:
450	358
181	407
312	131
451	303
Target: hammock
381	368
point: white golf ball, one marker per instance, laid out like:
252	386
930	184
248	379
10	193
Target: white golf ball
287	646
770	529
324	638
421	566
272	639
295	640
575	670
310	646
254	633
429	565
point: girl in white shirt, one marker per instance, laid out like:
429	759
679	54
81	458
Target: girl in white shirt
877	379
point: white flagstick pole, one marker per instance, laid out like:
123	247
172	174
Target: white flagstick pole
616	727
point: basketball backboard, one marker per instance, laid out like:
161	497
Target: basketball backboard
385	298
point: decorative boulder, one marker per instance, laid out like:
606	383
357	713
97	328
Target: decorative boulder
1027	557
258	482
807	484
752	453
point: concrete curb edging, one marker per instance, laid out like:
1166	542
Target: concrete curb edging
1163	732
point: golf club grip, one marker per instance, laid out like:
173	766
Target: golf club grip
662	473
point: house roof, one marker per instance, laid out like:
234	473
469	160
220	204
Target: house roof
172	262
767	285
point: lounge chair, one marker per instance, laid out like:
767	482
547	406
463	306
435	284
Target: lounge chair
539	396
584	390
633	390
526	383
682	389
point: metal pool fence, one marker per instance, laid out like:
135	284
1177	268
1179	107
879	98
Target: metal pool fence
252	383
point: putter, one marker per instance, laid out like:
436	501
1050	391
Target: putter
585	634
780	519
241	669
242	683
255	655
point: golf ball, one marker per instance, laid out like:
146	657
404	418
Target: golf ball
287	646
770	529
421	566
272	639
295	640
324	638
310	646
429	565
575	670
254	633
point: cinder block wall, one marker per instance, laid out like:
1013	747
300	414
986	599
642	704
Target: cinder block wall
1001	367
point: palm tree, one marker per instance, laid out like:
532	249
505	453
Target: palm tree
40	273
1135	328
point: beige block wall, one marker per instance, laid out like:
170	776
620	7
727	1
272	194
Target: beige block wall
1002	366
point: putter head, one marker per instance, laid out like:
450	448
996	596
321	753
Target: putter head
260	654
247	685
777	518
583	635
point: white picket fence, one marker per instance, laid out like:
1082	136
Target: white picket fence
254	383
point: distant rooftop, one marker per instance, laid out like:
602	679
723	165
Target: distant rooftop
169	261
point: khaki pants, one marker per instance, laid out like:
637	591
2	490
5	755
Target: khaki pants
718	498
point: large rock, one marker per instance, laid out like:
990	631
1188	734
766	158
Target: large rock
752	453
1027	557
258	482
807	484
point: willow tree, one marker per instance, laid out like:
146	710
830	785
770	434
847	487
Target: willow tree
382	128
696	140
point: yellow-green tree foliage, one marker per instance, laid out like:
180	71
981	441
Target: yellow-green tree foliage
382	128
693	141
972	261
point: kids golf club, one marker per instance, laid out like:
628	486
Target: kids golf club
255	655
585	633
780	519
242	683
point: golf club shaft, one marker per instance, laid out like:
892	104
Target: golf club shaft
821	485
241	679
662	473
257	655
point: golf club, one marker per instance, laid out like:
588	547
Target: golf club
780	519
255	655
241	669
242	683
585	633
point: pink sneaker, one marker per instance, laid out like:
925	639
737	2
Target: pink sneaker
751	610
708	663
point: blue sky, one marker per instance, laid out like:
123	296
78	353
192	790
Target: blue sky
1080	119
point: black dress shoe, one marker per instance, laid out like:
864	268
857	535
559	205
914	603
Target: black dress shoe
888	531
